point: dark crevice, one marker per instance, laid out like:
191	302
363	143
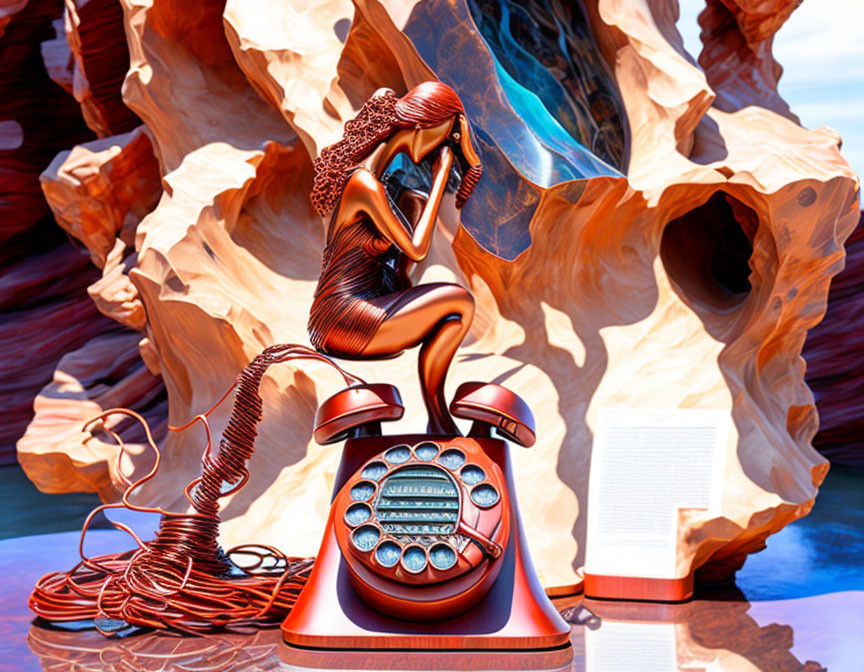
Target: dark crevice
707	252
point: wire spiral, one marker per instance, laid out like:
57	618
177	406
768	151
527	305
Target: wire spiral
182	580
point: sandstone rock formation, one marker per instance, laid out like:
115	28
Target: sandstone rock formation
689	283
101	192
835	370
42	277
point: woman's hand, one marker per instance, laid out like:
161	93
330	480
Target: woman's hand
364	193
442	164
465	143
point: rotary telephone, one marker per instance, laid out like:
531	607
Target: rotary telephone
423	546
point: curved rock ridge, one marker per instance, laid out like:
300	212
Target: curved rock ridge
690	282
99	191
47	312
97	42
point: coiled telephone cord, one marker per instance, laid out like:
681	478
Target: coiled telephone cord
182	580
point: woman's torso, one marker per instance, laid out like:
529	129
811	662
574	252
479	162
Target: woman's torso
359	266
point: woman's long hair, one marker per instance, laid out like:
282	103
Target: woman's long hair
427	104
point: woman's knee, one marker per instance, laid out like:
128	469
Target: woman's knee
455	300
420	314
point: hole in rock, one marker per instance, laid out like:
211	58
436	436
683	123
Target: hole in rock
707	251
341	28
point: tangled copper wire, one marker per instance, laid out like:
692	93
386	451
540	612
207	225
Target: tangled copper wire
182	580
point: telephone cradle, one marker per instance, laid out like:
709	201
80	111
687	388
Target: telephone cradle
424	548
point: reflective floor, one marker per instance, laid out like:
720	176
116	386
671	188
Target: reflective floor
797	606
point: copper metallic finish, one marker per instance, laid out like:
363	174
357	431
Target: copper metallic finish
514	614
498	407
182	580
634	588
554	592
474	169
356	406
427	105
431	594
364	305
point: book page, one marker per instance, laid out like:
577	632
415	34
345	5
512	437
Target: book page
645	466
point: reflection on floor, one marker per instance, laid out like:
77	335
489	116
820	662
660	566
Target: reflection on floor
798	607
89	651
821	553
720	632
607	637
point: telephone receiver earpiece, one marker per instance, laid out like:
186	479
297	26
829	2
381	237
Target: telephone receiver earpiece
492	406
357	411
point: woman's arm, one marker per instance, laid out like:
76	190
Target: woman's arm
368	196
410	203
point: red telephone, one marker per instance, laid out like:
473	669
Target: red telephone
423	547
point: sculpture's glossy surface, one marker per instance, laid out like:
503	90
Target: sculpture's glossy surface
365	306
418	549
801	600
490	599
438	514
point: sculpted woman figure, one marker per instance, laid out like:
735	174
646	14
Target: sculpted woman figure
365	305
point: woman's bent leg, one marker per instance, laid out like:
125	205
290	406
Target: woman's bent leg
438	316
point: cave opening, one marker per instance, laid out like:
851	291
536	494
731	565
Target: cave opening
707	251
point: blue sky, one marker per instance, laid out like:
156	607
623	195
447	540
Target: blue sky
821	49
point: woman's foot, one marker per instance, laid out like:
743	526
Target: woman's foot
439	425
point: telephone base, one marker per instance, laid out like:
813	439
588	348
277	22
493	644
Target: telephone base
514	615
542	660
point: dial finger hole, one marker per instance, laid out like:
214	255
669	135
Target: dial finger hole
357	514
374	471
414	559
398	455
365	538
484	495
362	491
387	554
426	451
472	474
452	458
442	556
